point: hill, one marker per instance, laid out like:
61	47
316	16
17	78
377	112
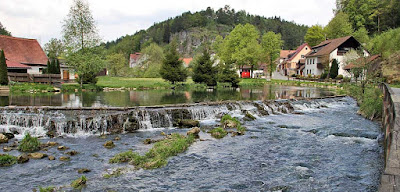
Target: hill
192	30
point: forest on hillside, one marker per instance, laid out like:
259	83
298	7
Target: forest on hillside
205	26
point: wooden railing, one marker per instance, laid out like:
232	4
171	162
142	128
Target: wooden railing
35	78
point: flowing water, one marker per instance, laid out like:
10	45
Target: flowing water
159	97
293	145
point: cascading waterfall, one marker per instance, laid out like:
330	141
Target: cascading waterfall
66	122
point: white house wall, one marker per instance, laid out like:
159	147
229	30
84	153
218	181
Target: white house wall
34	70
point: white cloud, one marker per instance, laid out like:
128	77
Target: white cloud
42	19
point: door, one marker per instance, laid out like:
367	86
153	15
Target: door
65	75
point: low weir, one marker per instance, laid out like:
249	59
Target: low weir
71	121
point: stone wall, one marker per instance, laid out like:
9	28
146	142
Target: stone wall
390	178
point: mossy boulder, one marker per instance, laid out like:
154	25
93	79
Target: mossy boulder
62	148
51	158
22	158
109	144
249	117
3	138
194	131
65	158
218	133
83	170
188	123
79	183
72	153
9	135
37	155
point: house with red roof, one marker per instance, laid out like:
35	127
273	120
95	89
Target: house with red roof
186	61
136	59
23	55
283	56
322	55
293	60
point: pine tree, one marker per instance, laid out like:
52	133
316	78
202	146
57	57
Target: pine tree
57	66
228	75
333	73
3	69
172	68
203	71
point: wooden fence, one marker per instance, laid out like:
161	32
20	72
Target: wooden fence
35	78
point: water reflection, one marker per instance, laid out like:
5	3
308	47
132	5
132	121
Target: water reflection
159	97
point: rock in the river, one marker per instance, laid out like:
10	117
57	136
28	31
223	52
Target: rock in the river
51	143
195	132
249	117
51	158
9	135
3	138
65	158
109	144
22	158
147	141
37	155
62	148
7	149
72	153
188	123
83	170
117	138
51	134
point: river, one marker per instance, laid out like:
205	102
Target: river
298	145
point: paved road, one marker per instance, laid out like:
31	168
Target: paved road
396	95
277	75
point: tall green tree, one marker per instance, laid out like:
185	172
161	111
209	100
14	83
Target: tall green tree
315	35
172	68
334	71
79	28
54	48
3	69
227	74
271	44
154	57
3	30
116	64
361	35
204	71
241	47
80	36
339	26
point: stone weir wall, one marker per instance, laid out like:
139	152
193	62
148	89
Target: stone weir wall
390	178
88	120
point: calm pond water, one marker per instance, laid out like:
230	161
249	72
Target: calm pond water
159	97
326	146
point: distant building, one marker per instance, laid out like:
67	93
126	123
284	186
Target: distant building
136	59
186	61
258	71
298	56
322	55
23	55
283	56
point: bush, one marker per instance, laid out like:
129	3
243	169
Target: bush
29	144
79	183
293	75
372	102
47	189
218	133
339	77
7	160
346	79
309	76
324	75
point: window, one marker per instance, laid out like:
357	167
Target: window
313	61
302	56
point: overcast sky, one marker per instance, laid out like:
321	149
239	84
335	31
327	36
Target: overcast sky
42	19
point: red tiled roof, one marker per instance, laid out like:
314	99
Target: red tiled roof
24	51
16	65
186	61
285	53
135	56
353	65
301	47
327	46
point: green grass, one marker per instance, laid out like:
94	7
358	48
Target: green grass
226	120
139	83
47	189
31	87
79	183
370	102
69	87
218	133
29	144
7	160
252	82
157	156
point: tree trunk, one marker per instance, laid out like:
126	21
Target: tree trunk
251	71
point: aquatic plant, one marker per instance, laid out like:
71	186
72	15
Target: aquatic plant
218	133
29	144
157	156
47	189
79	183
7	160
228	121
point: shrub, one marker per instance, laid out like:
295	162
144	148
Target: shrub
157	156
339	77
47	189
309	76
218	133
7	160
324	75
371	105
293	75
79	183
29	144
